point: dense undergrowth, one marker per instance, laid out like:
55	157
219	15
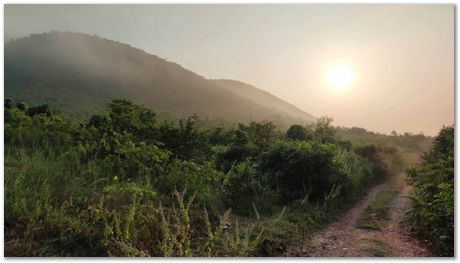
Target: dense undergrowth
126	183
432	210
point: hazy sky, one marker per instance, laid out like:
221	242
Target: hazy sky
401	56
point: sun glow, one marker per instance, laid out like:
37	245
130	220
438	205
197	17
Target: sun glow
339	77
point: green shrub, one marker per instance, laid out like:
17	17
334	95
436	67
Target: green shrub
54	131
298	168
432	209
185	141
300	133
201	179
232	155
245	188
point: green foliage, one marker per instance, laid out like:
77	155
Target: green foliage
370	152
76	212
214	235
185	142
248	142
114	185
245	188
300	133
346	144
21	106
127	117
407	142
261	134
202	179
38	131
219	135
242	243
130	160
300	168
324	131
176	234
443	147
432	211
42	109
8	103
373	154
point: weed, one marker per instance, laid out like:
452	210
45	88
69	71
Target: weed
374	246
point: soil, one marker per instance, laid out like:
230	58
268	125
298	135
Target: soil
342	239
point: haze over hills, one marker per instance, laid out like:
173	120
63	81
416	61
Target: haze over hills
262	98
79	73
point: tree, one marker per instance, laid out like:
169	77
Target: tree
261	134
101	122
324	131
21	106
8	103
298	132
238	151
346	144
443	146
186	142
369	152
127	116
42	109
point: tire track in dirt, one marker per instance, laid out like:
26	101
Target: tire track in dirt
396	236
342	239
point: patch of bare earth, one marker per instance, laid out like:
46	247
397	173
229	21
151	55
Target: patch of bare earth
342	239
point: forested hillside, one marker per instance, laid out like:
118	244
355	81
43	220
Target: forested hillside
78	73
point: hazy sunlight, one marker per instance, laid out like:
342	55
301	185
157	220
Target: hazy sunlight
339	77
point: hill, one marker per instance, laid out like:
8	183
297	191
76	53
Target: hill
78	73
263	98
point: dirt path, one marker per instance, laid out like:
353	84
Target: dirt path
396	237
342	239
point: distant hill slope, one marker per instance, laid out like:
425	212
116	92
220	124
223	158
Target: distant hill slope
79	73
263	98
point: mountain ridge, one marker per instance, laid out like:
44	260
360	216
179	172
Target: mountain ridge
254	93
78	73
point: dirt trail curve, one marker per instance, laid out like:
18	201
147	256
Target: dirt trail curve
342	239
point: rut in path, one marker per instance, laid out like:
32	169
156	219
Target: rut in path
342	239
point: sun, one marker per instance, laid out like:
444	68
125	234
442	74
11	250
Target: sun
339	77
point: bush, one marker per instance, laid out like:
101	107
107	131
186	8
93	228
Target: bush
39	131
246	190
432	210
300	168
261	135
373	154
300	133
42	109
137	161
324	131
201	179
186	141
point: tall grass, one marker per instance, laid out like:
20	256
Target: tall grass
60	207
